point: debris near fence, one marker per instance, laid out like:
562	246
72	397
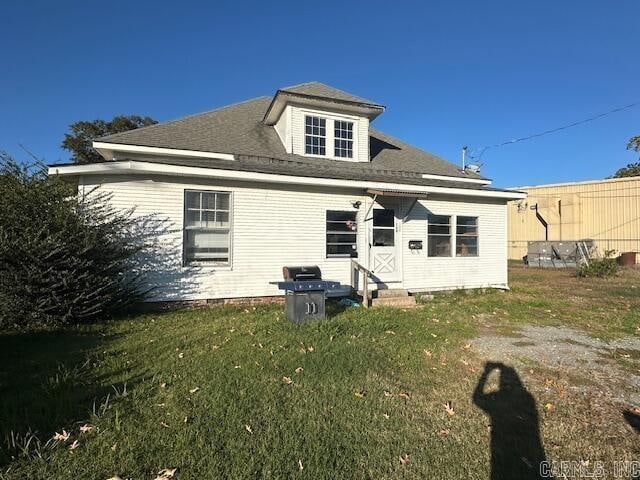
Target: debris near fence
556	254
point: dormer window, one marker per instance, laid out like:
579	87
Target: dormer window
343	139
315	137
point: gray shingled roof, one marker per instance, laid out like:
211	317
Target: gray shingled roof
238	129
318	89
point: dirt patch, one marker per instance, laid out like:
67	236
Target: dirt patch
575	354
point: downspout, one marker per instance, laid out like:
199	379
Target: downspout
543	222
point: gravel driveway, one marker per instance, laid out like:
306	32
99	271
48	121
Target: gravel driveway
607	368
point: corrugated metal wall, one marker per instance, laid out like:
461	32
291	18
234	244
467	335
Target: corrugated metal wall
607	211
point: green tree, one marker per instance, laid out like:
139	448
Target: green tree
64	258
79	140
632	169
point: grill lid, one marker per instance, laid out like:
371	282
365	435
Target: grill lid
302	273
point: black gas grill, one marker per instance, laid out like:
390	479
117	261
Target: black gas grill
305	293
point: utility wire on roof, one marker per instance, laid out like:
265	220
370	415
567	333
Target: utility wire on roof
553	130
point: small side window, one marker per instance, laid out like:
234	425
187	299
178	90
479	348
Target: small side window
315	135
439	236
467	236
341	235
207	227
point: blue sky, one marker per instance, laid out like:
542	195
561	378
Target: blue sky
450	73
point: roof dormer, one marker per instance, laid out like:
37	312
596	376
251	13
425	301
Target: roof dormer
316	120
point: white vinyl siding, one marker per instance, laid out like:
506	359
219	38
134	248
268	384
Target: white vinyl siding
276	225
487	269
272	226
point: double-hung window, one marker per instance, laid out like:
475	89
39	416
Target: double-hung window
343	139
466	236
315	135
439	236
341	234
207	227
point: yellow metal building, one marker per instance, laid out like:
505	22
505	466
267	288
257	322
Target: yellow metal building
607	211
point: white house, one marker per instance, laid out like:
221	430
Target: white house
300	178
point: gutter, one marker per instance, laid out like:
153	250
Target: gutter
139	167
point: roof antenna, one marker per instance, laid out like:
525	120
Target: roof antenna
464	155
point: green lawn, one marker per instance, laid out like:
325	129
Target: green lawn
238	392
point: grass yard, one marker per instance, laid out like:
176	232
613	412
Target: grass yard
237	392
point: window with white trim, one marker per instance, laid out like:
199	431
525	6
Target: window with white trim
343	139
342	231
207	227
315	135
439	236
466	236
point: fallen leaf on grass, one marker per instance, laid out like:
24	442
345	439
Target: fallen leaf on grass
360	393
448	407
113	447
434	335
404	395
467	346
86	428
390	332
445	431
181	355
74	445
115	477
385	416
388	394
310	349
404	459
62	437
299	369
549	407
428	353
166	473
163	385
300	466
164	424
248	429
287	380
194	390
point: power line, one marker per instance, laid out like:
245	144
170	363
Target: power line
553	130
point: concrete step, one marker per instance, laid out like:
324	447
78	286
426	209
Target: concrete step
392	293
400	302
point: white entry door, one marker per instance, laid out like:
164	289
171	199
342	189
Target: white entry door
385	261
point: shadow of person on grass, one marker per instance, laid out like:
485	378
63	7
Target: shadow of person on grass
516	447
633	419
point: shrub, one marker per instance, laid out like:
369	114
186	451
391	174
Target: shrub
600	267
64	258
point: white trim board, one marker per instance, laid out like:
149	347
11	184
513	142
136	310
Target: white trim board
106	150
137	167
456	179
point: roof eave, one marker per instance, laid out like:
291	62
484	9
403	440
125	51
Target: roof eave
141	167
279	101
